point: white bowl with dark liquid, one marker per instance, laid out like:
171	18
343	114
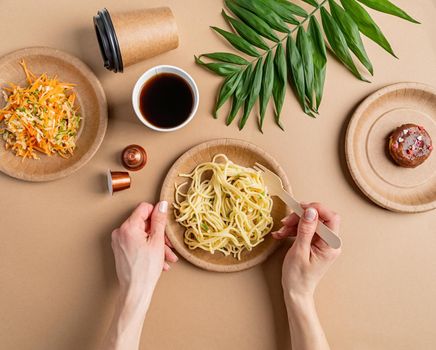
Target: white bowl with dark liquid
165	98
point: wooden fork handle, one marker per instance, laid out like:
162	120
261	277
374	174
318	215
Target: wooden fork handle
322	230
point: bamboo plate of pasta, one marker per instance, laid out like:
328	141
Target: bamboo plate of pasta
221	213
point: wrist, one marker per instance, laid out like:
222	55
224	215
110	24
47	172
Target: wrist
134	299
128	320
299	300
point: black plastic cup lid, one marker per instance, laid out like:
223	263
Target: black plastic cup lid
107	41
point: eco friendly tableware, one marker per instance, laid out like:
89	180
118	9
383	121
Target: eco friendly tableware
245	154
91	101
275	187
126	38
407	190
154	73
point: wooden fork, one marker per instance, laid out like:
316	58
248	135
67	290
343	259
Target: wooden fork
275	188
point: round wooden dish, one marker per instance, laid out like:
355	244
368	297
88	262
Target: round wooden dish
393	187
90	98
239	152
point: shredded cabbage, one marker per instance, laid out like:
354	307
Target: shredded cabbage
40	117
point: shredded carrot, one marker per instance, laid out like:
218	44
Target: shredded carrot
40	117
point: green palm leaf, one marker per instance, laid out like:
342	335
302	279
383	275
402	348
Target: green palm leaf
237	42
246	32
311	2
296	73
351	33
267	86
287	16
223	69
389	8
306	51
319	60
292	8
255	22
241	93
253	94
227	88
338	43
366	24
226	57
279	85
268	25
274	20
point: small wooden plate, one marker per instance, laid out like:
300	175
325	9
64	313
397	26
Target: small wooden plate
407	190
90	98
239	152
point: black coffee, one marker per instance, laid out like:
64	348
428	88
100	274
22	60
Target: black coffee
166	100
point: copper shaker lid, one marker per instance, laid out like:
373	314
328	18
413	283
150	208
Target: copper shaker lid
134	157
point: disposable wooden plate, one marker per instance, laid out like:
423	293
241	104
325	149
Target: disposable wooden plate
408	190
239	152
90	98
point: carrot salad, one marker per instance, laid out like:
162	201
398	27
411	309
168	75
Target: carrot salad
40	117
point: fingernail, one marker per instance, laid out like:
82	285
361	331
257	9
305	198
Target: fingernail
281	230
283	220
304	203
310	214
163	206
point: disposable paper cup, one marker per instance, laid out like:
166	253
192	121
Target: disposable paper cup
159	70
126	38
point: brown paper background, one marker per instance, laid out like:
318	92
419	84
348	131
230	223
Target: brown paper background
57	277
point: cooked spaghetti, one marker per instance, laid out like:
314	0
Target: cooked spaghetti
224	207
40	117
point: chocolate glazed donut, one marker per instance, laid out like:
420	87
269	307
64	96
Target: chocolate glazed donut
410	145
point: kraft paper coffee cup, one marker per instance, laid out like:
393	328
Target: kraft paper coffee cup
126	38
